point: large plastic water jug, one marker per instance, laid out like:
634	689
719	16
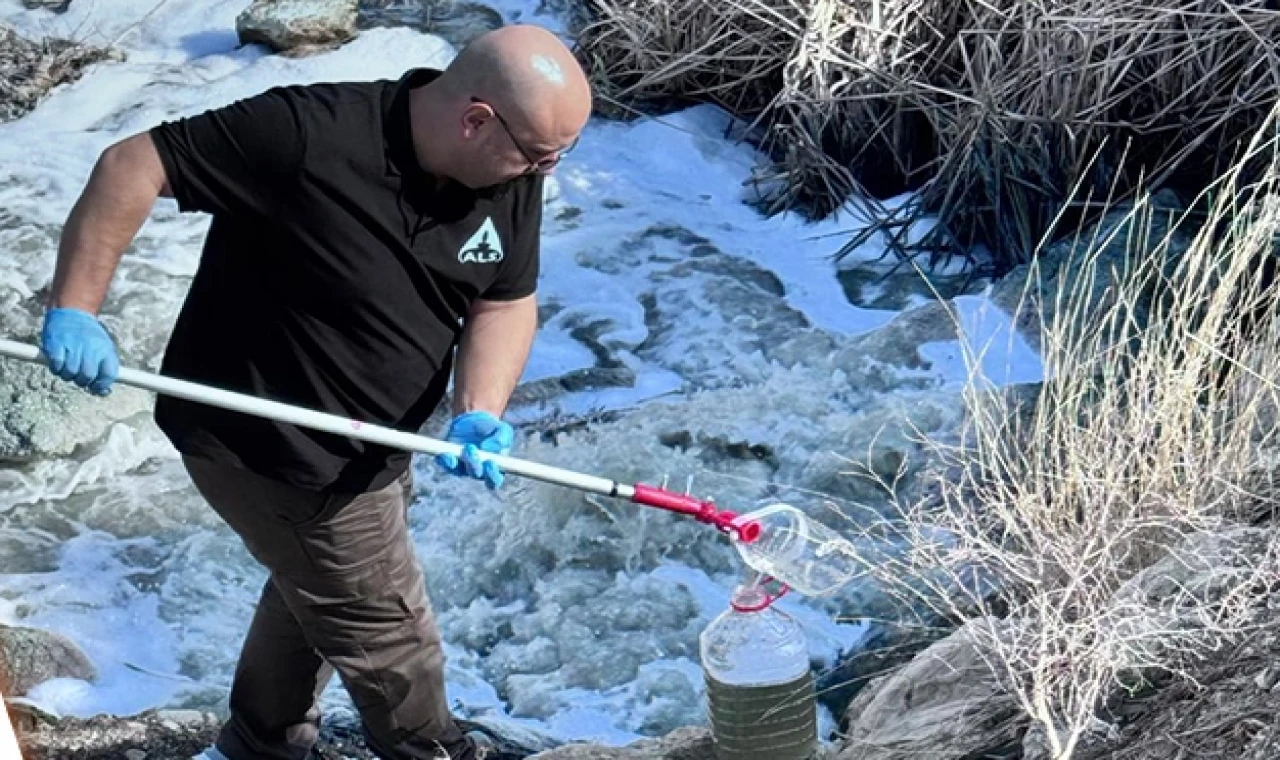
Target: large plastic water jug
760	689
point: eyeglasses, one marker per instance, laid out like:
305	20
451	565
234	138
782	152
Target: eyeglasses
536	165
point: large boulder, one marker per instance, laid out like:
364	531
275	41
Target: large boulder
946	704
1202	570
43	416
29	657
1210	582
457	22
885	648
898	343
298	26
943	344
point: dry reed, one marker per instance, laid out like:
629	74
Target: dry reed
994	110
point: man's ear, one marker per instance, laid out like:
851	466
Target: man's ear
474	117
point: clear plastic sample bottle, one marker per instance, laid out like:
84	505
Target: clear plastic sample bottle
799	551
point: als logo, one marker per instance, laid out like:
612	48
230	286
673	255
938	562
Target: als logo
484	247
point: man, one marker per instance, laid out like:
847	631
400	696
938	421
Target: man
362	234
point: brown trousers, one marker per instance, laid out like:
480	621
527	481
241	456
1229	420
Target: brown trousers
345	594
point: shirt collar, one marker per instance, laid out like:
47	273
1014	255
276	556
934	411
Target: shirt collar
397	127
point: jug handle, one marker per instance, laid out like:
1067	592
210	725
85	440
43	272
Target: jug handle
769	599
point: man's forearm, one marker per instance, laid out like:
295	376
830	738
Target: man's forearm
492	354
120	193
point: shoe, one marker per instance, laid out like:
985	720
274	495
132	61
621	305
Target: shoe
211	753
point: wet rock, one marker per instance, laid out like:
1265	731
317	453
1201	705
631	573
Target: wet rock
460	23
147	736
682	744
871	287
57	6
177	719
43	416
26	717
1029	293
597	378
31	68
509	738
885	648
29	657
898	343
28	551
457	22
298	26
945	704
575	381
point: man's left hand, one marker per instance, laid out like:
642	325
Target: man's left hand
476	432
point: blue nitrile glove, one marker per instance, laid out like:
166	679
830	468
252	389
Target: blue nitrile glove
79	349
475	432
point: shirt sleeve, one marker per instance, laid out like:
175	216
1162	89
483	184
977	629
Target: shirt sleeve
518	275
235	159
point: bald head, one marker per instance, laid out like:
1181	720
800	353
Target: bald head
528	75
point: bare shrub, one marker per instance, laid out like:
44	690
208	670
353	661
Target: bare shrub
1102	523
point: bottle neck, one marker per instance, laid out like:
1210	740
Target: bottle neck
750	598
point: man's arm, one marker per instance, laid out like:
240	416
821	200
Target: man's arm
124	185
494	347
237	159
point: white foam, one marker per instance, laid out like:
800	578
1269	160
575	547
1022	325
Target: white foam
989	351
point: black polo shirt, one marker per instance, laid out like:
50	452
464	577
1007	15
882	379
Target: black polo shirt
335	275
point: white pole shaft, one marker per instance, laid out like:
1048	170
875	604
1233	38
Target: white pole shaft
8	739
331	423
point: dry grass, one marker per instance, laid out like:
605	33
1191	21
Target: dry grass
996	110
1157	423
30	68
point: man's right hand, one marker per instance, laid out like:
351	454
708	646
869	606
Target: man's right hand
79	349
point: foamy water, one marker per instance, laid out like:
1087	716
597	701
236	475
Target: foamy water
564	614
